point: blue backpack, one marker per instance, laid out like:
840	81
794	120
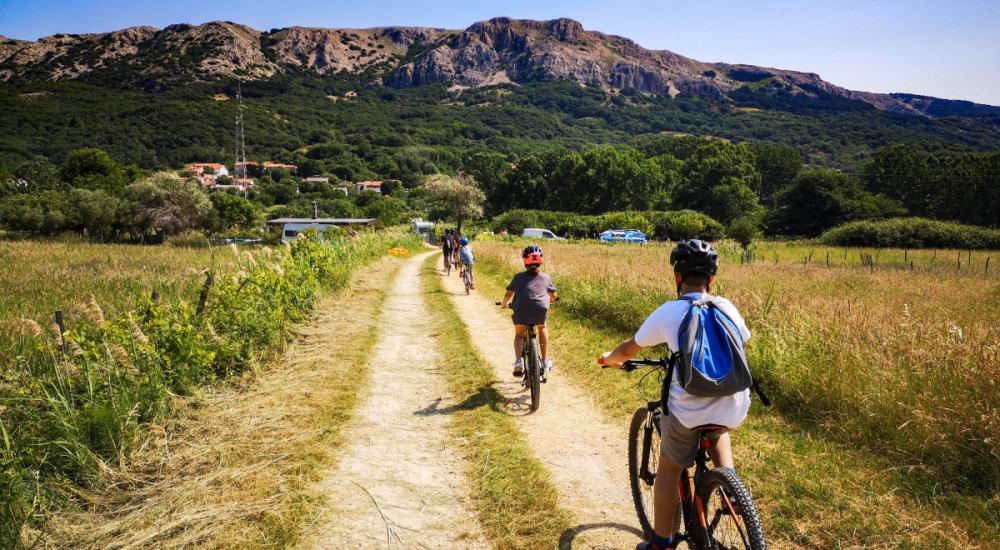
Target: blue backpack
711	361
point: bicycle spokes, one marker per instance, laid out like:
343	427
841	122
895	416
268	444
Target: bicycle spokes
725	526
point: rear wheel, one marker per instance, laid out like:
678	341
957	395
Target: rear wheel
534	367
731	516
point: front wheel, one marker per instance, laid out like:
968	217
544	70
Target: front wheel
534	367
731	517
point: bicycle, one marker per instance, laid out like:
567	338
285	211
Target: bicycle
716	509
534	371
447	264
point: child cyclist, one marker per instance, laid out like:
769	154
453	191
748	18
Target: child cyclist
695	264
533	293
467	258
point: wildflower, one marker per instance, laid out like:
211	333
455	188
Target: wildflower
250	259
137	333
235	249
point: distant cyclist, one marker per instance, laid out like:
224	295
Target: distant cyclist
695	264
448	246
533	293
466	258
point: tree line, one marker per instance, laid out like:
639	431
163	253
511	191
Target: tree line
766	185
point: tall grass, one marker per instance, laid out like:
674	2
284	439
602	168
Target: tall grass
69	417
903	363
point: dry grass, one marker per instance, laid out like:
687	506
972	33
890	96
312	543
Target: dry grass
238	469
885	384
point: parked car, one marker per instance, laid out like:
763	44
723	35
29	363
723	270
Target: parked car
536	233
623	236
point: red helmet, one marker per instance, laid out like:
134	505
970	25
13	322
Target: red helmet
532	256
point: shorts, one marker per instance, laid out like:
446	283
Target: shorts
530	315
679	444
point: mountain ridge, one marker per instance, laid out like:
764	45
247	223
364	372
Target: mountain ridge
496	51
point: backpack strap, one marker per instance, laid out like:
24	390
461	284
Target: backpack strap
665	391
760	393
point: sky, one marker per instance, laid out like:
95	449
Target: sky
948	49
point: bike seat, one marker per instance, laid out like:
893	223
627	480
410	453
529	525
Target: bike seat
709	428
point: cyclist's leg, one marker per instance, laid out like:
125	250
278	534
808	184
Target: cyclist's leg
543	341
721	451
665	497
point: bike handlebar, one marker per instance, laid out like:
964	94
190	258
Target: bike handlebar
632	364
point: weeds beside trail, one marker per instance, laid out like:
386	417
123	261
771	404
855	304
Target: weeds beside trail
515	502
74	425
823	478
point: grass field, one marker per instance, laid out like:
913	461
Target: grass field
40	277
885	380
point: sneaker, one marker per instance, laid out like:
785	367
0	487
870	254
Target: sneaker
519	367
649	545
549	367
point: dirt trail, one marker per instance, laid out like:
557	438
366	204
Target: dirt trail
585	455
397	481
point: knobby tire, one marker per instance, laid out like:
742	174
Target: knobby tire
534	367
735	524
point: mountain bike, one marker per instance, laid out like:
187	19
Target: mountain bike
447	264
716	510
534	371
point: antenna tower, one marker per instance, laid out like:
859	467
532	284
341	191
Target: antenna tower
241	152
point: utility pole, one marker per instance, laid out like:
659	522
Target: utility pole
241	153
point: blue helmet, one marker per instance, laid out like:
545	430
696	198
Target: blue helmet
464	241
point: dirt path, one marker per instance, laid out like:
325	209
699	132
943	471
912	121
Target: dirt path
585	455
397	484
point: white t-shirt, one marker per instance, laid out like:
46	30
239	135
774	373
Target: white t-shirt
691	411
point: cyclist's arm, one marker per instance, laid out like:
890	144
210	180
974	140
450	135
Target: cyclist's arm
552	297
625	351
506	299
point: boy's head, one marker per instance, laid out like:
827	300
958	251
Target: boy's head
532	256
695	265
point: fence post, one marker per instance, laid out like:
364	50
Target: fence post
828	259
62	329
204	293
906	255
911	265
154	299
986	270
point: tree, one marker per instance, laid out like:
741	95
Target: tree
720	181
778	165
42	212
165	203
390	186
743	231
95	212
233	212
92	169
36	175
459	195
820	199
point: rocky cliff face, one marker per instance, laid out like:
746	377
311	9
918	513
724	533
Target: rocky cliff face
496	51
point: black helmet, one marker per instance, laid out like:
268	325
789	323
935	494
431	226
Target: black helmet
694	256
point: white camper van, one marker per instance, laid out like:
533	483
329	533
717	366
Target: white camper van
536	233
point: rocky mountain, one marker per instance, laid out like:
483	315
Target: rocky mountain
498	51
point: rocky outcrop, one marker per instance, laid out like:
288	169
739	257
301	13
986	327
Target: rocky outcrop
496	51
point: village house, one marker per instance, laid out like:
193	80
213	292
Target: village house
206	172
317	179
368	186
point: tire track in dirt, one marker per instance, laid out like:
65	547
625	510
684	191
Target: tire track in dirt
398	485
585	455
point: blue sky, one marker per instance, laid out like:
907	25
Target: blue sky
946	48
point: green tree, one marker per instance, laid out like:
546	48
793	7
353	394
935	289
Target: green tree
778	165
822	198
457	194
165	203
91	168
36	175
234	212
95	212
720	179
45	212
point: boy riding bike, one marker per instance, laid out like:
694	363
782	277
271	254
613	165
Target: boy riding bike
695	264
467	258
533	293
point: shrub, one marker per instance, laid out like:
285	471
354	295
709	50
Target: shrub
912	233
684	224
623	220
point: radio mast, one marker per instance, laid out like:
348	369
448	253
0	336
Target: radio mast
241	153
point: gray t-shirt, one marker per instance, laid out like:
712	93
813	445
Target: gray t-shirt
531	297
